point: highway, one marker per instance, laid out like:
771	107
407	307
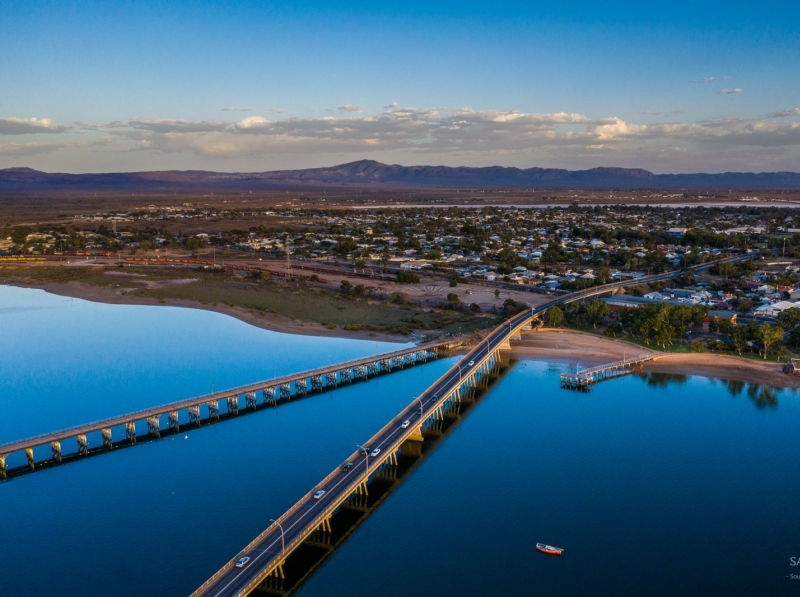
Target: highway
266	551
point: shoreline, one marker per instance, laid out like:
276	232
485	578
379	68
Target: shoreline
574	347
272	323
548	344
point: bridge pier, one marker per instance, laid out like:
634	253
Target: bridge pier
359	372
83	444
172	420
331	380
107	441
3	466
373	368
55	448
194	414
154	426
285	391
250	400
300	388
233	405
316	383
31	461
130	431
386	365
213	409
269	395
345	375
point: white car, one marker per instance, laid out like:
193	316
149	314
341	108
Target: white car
375	452
319	494
470	364
405	424
242	562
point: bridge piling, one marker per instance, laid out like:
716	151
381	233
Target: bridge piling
172	420
154	425
83	444
130	431
213	409
331	380
233	405
31	461
250	400
3	466
194	414
55	448
107	441
269	395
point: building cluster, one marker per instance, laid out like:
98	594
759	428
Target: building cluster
553	248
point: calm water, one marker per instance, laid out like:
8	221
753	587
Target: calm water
654	486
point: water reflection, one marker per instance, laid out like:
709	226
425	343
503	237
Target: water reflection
662	380
762	396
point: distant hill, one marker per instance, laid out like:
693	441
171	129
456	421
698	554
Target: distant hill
377	175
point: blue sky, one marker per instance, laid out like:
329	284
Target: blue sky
670	87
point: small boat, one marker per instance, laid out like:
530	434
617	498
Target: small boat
549	549
185	437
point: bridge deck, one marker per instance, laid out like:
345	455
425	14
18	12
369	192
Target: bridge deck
85	428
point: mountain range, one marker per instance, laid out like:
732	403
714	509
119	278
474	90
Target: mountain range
375	175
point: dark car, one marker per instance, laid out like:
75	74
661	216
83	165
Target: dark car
347	466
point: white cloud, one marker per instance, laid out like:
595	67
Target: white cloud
26	126
233	109
615	129
734	91
785	113
349	108
464	135
710	79
26	149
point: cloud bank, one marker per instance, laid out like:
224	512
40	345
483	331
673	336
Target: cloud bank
465	135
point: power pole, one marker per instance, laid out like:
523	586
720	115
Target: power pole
288	258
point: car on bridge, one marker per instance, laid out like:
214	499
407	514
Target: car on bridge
405	424
470	364
375	452
319	494
347	466
242	562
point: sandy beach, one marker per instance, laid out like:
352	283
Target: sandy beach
588	349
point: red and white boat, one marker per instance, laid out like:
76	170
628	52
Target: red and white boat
549	549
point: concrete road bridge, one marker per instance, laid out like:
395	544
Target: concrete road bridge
313	512
205	409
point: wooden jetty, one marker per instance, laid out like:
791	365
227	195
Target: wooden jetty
583	380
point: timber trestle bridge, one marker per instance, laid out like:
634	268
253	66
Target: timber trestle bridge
210	408
583	379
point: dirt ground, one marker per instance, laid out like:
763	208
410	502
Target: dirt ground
275	323
588	349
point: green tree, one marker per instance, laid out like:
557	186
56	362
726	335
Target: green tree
555	317
346	286
769	336
789	318
595	311
739	339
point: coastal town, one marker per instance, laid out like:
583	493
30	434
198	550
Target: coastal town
466	258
